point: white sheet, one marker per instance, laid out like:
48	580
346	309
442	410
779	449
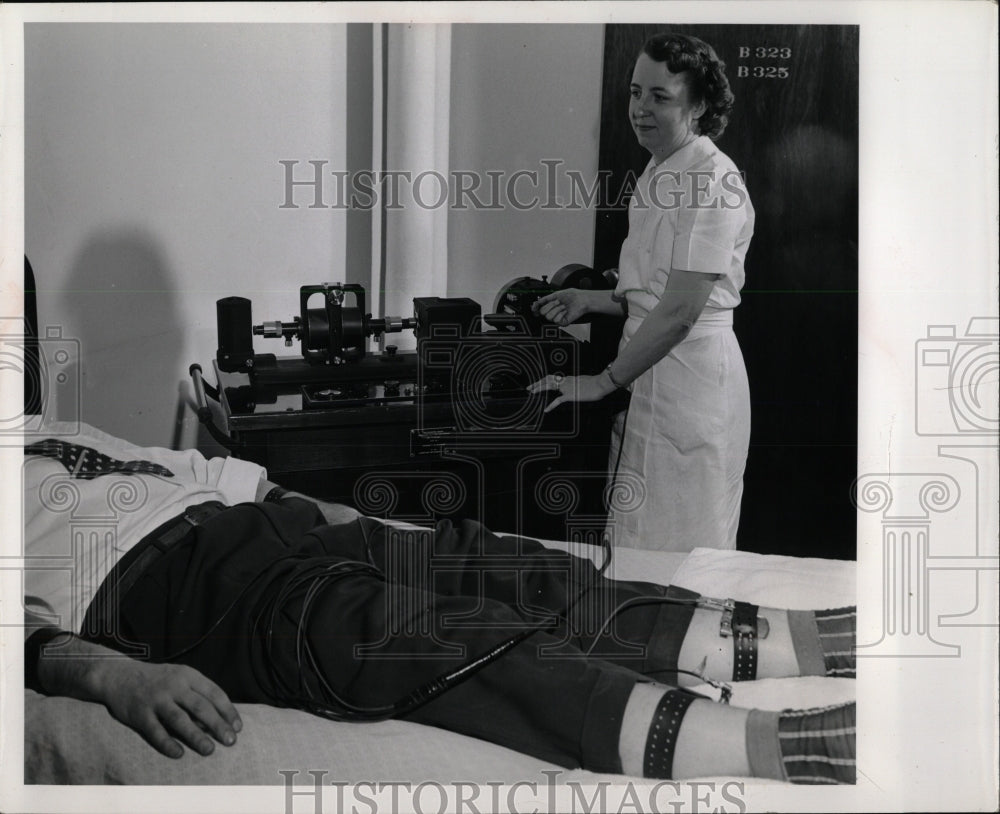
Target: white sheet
798	583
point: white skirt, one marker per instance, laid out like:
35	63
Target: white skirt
683	446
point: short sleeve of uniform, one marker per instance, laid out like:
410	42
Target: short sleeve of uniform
709	222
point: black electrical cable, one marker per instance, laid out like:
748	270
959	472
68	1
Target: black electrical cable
320	572
253	580
637	601
336	568
315	574
336	707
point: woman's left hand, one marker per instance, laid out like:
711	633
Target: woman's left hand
573	388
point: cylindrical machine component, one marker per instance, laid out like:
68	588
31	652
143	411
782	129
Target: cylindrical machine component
348	337
577	275
335	333
317	335
235	330
272	328
391	325
199	387
276	328
516	298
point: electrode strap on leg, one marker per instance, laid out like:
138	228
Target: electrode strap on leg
740	621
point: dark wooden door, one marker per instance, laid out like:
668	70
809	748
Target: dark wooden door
794	133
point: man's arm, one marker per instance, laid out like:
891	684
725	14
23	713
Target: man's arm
167	704
334	513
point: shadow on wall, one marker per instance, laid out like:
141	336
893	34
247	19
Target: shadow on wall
121	295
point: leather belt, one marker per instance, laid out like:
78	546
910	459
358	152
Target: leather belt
127	571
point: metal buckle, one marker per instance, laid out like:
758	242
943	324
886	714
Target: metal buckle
197	514
726	625
728	608
761	627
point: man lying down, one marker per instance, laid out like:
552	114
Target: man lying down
223	587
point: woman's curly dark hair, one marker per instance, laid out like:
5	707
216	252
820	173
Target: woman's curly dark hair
707	80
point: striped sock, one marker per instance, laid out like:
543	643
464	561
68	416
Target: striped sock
818	745
824	641
837	636
803	746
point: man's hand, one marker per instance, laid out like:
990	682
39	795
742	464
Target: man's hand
336	513
166	701
168	704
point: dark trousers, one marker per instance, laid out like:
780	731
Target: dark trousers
276	607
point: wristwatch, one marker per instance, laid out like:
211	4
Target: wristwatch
275	495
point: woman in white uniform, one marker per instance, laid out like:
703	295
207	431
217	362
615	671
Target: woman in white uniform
679	452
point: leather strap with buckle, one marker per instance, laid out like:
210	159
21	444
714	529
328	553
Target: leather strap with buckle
740	620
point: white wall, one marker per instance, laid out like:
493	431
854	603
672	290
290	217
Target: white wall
153	188
522	94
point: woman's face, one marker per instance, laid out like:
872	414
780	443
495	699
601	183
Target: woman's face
660	110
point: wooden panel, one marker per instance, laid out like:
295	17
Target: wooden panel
796	140
541	488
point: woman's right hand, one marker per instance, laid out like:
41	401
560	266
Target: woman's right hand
562	307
